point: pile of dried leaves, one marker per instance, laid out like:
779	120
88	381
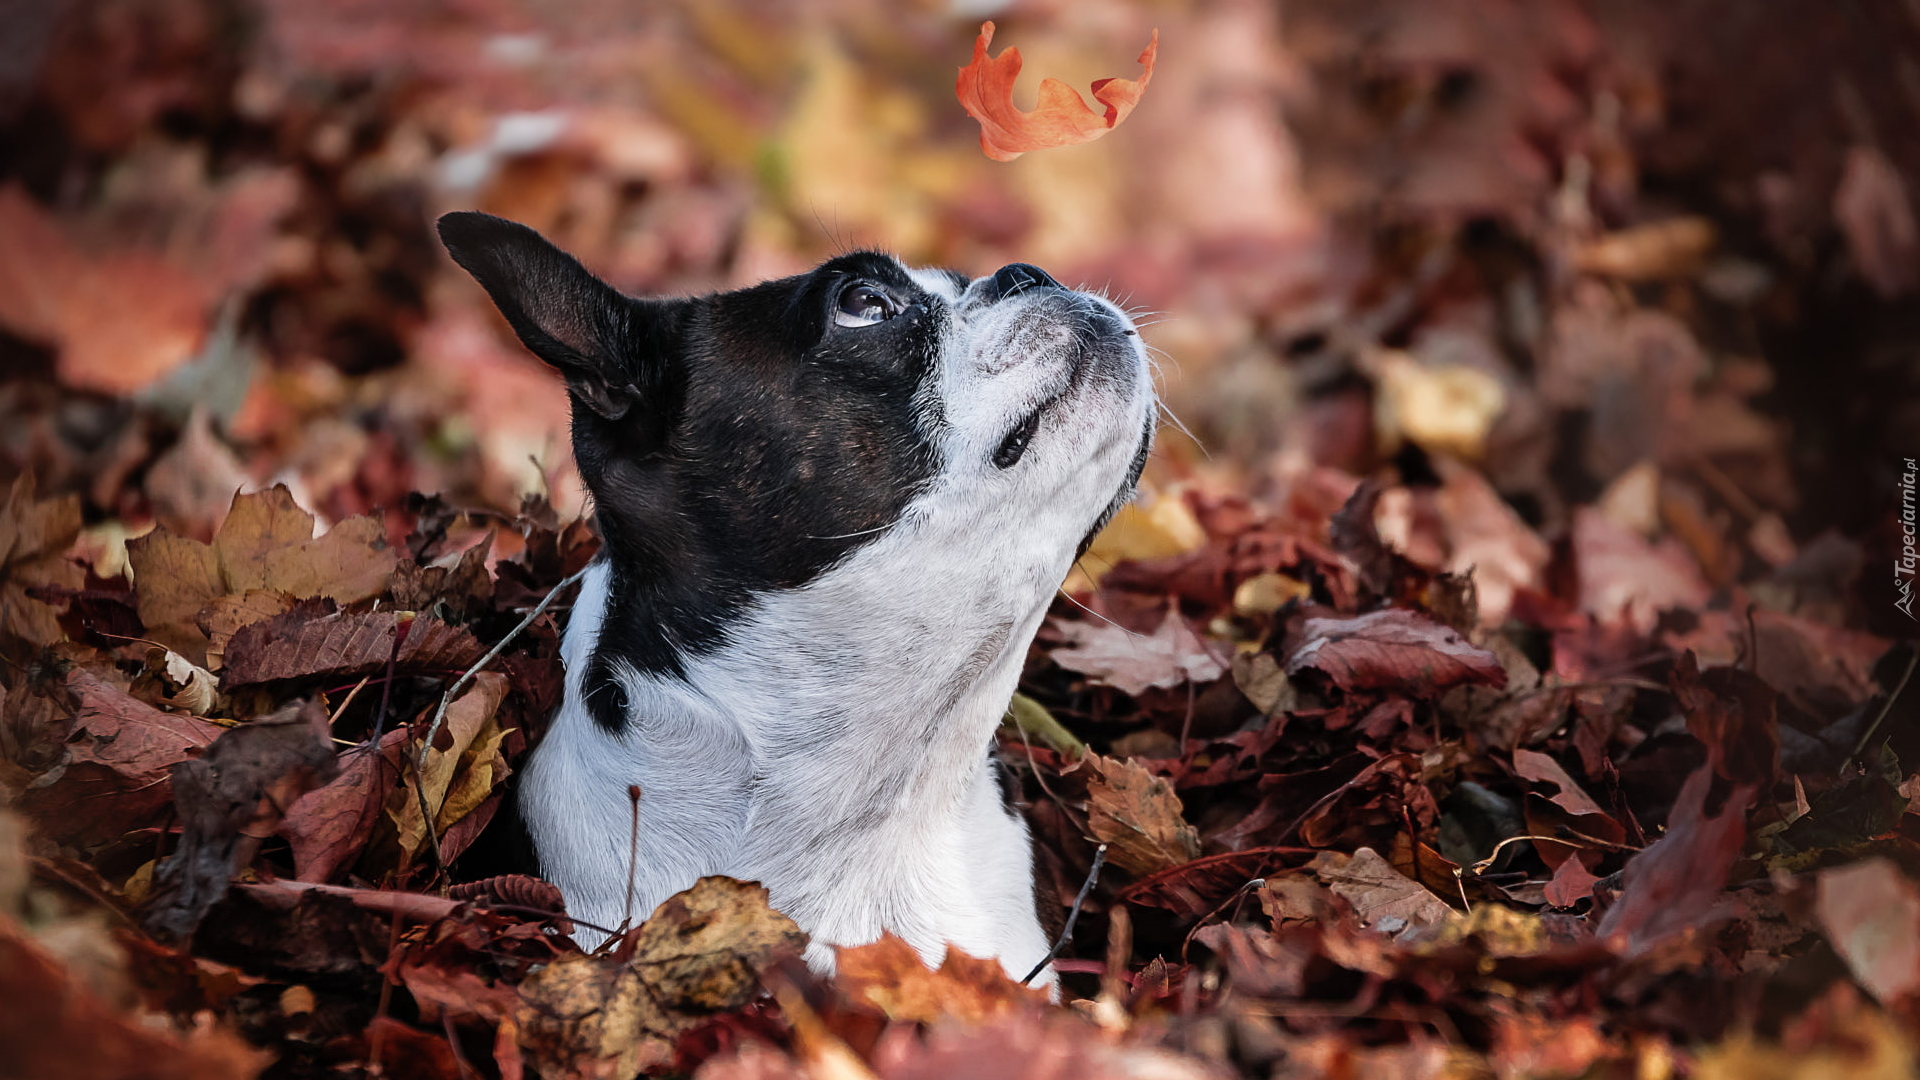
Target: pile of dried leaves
1516	691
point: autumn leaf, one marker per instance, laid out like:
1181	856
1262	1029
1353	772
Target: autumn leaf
1135	663
34	537
329	826
702	950
1061	117
1383	898
118	764
1138	815
1674	884
1394	649
235	793
889	975
315	640
460	769
266	544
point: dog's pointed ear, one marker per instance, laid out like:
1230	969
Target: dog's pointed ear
602	340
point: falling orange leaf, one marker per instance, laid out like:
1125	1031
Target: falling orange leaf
1061	118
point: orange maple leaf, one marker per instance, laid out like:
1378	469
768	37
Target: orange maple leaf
1061	117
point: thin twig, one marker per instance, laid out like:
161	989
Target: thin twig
342	707
633	855
1867	736
1073	915
386	685
446	699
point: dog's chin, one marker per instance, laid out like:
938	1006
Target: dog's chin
1120	497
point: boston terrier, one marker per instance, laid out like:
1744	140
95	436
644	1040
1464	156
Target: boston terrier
835	508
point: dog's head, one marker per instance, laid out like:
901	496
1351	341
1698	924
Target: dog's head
750	441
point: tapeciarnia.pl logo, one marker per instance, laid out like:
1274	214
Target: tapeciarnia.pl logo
1904	566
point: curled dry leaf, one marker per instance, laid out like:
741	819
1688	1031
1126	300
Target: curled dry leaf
1138	815
891	977
234	794
1395	650
1060	118
174	682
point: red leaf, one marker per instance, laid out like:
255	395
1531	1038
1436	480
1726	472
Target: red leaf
1571	883
330	825
1675	883
1061	117
1393	650
119	762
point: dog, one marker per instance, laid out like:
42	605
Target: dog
834	510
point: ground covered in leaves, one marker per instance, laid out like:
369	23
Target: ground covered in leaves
1516	685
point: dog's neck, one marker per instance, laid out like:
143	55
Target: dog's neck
841	734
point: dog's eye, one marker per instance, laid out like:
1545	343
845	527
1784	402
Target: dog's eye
1015	444
863	304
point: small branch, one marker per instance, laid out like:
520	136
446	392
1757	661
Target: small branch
1866	736
1073	916
454	691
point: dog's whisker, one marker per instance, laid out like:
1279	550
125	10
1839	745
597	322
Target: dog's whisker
1181	426
1070	599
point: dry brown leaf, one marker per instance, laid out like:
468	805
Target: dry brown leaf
1138	815
329	826
1135	663
585	1016
1383	898
174	577
266	544
225	615
468	717
701	951
312	640
34	538
120	757
890	976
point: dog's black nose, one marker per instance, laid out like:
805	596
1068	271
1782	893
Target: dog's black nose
1018	277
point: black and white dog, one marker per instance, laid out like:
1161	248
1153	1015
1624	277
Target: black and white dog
835	509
